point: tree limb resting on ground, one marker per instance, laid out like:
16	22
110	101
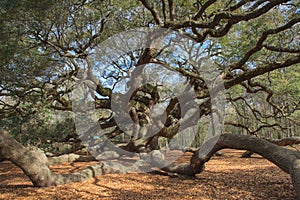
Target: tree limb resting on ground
34	163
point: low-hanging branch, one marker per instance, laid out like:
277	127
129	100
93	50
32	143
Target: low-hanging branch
279	142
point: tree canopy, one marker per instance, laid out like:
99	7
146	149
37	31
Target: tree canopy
147	72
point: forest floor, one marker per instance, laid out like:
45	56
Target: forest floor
225	177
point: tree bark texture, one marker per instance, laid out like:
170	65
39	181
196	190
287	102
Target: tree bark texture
34	163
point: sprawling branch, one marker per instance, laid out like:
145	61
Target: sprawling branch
203	8
259	45
262	70
234	18
281	49
279	142
287	160
34	163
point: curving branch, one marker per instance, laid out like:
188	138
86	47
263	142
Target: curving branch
203	8
253	132
153	11
262	70
34	164
281	49
285	159
259	45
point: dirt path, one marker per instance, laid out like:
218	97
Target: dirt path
226	177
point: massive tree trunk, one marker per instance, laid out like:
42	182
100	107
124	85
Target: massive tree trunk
34	164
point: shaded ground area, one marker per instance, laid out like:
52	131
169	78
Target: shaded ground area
226	177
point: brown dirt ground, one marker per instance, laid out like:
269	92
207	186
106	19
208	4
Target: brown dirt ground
226	177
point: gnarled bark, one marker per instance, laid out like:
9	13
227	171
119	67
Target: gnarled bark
34	164
280	142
